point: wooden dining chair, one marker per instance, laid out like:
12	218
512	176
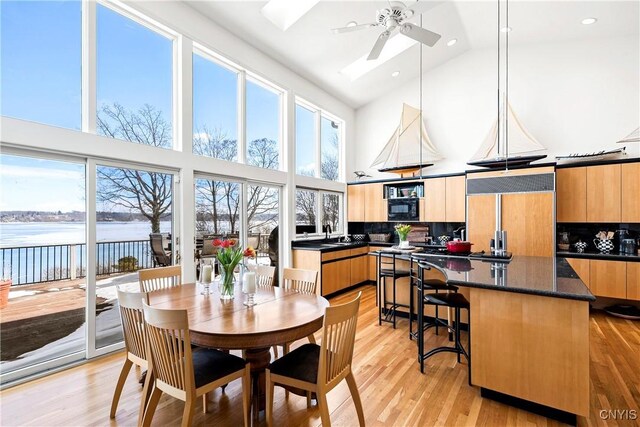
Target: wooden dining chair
183	373
154	279
133	329
305	281
265	275
319	368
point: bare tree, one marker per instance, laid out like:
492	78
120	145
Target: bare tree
149	193
262	202
305	207
329	167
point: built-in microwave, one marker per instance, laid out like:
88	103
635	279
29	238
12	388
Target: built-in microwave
404	209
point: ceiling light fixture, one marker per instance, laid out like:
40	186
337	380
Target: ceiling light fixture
506	29
361	66
284	13
589	21
395	74
351	24
452	42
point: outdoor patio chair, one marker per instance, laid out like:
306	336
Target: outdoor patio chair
161	258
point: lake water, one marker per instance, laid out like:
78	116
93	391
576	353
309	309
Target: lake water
16	234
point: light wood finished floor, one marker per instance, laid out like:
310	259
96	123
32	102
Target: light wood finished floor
393	391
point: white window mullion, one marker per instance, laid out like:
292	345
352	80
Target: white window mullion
91	238
89	90
242	116
317	146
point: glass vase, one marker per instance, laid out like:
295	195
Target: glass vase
227	283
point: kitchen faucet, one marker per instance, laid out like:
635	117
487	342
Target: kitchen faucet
327	231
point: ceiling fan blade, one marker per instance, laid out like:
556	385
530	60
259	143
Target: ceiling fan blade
420	34
352	28
377	48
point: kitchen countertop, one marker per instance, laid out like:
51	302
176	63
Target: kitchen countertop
614	256
545	276
330	245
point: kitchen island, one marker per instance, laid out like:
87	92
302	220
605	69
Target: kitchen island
529	330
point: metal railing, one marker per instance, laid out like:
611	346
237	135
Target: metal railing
48	263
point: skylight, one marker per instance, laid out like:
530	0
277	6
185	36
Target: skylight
284	13
395	46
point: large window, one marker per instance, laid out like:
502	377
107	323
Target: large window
263	125
306	211
318	143
40	57
215	109
311	202
134	81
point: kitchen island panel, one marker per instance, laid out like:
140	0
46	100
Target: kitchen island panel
531	347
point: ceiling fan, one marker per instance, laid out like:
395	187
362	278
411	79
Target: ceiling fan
395	17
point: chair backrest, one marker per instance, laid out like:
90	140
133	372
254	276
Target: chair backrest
253	240
301	280
338	338
154	279
207	246
133	326
156	241
265	274
170	347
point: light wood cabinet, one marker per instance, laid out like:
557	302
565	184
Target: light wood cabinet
633	280
375	209
481	221
603	193
630	192
355	203
528	219
608	278
336	275
455	198
433	207
571	194
581	267
359	269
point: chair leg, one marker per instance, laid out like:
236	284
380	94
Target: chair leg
269	398
147	389
187	414
394	303
324	408
275	351
458	345
312	339
469	344
151	407
355	395
120	384
285	350
205	403
308	399
246	395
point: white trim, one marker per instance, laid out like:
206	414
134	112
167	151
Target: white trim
91	239
89	46
29	373
242	117
138	17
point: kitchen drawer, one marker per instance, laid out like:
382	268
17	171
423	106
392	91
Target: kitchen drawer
329	256
359	251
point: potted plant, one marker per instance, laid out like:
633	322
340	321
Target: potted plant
5	285
403	231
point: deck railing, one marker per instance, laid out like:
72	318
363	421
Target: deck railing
48	263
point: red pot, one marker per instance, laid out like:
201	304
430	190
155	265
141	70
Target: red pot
459	247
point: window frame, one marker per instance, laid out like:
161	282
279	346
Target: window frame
319	211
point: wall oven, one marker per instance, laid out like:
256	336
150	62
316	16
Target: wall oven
403	209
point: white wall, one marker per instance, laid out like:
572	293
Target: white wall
572	97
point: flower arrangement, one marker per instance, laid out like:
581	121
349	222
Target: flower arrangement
229	256
403	231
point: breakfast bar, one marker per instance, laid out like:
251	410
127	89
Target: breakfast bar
530	329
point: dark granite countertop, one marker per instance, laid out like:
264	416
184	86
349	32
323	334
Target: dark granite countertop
614	256
546	276
330	245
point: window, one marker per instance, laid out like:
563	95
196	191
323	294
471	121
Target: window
306	209
331	211
329	149
134	81
318	143
41	59
215	110
305	141
263	126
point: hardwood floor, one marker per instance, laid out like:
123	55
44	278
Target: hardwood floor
393	391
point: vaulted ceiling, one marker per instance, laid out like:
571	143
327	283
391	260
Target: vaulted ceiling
309	48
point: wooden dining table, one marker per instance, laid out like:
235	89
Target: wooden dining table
279	316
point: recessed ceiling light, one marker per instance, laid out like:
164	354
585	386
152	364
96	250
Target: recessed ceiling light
589	21
505	29
452	42
351	24
395	74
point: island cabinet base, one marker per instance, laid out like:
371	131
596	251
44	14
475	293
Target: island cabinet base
531	347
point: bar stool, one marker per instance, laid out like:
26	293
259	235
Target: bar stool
450	300
388	270
436	285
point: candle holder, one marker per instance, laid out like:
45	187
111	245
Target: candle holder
250	301
206	288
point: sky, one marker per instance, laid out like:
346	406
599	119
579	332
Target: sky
40	76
